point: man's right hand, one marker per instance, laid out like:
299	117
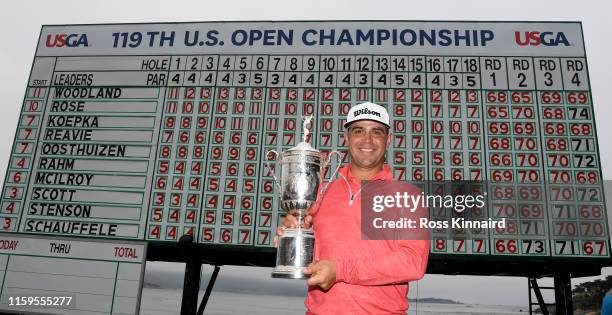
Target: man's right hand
289	221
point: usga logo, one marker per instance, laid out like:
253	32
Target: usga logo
366	111
68	40
541	38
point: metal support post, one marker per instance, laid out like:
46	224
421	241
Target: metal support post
533	285
209	288
191	282
563	294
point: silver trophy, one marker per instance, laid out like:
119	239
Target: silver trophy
302	168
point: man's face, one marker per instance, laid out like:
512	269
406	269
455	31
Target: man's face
367	141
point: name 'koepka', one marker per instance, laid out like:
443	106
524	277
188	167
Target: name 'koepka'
72	121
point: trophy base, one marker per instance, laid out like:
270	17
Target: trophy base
288	273
295	252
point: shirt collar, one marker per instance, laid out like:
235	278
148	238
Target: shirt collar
384	174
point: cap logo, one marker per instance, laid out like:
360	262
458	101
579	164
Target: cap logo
366	111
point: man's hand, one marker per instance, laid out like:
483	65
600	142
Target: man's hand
322	274
289	221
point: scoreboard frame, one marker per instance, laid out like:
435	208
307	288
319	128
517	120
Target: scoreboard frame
439	262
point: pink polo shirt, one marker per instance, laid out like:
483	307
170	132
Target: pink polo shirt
371	275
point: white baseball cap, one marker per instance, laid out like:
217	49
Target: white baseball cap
367	111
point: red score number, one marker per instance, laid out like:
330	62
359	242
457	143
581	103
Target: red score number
497	159
526	128
577	98
522	112
531	211
440	244
554	113
521	97
556	144
497	97
580	129
505	246
501	128
594	247
499	143
497	111
551	97
590	212
590	177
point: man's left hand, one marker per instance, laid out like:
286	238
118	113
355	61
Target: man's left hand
322	274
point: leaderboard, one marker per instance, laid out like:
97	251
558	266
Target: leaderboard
153	131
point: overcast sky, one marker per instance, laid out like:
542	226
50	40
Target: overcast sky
20	22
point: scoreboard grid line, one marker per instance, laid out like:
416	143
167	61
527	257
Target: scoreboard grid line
8	257
33	154
544	161
160	109
199	223
596	142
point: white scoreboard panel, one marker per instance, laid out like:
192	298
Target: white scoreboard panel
57	275
153	131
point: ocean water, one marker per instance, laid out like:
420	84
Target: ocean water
168	302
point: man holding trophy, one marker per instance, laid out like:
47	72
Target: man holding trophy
348	275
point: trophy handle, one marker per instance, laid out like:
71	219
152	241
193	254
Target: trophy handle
337	153
270	169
